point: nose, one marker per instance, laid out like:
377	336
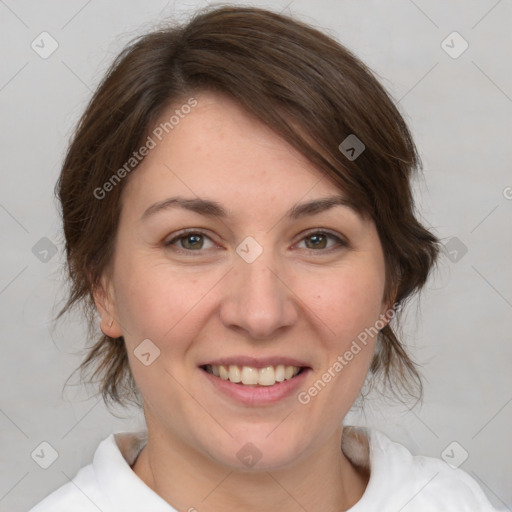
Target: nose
258	297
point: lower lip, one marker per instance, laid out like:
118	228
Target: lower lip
257	395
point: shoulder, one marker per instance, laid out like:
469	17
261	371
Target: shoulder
82	494
87	491
108	484
403	481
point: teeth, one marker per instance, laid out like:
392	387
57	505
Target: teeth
234	373
267	376
280	372
248	375
224	374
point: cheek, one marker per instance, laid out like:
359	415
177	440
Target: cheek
156	300
346	302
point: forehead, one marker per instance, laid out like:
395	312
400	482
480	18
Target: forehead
220	151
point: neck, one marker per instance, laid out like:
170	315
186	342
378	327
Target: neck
325	480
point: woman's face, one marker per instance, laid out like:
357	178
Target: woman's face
255	287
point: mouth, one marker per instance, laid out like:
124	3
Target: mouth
253	376
255	383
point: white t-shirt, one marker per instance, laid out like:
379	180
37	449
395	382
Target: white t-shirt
398	481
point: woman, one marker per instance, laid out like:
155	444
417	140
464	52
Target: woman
237	209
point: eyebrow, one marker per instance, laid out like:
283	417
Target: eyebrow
213	209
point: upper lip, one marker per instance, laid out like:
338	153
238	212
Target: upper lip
255	362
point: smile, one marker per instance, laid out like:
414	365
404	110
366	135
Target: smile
255	383
251	376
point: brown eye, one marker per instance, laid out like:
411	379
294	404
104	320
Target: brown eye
192	241
318	240
188	241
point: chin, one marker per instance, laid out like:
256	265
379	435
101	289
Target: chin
258	451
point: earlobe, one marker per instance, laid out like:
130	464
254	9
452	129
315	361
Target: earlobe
104	299
389	310
110	328
387	313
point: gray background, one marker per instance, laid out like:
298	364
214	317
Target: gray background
460	112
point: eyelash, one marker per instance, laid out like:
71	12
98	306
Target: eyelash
183	234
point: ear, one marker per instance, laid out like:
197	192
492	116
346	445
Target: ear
387	314
389	307
105	301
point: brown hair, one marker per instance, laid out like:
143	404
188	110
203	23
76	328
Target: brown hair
304	85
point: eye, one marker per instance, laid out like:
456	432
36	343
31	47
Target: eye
319	240
191	240
194	240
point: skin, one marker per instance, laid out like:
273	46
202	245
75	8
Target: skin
297	299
